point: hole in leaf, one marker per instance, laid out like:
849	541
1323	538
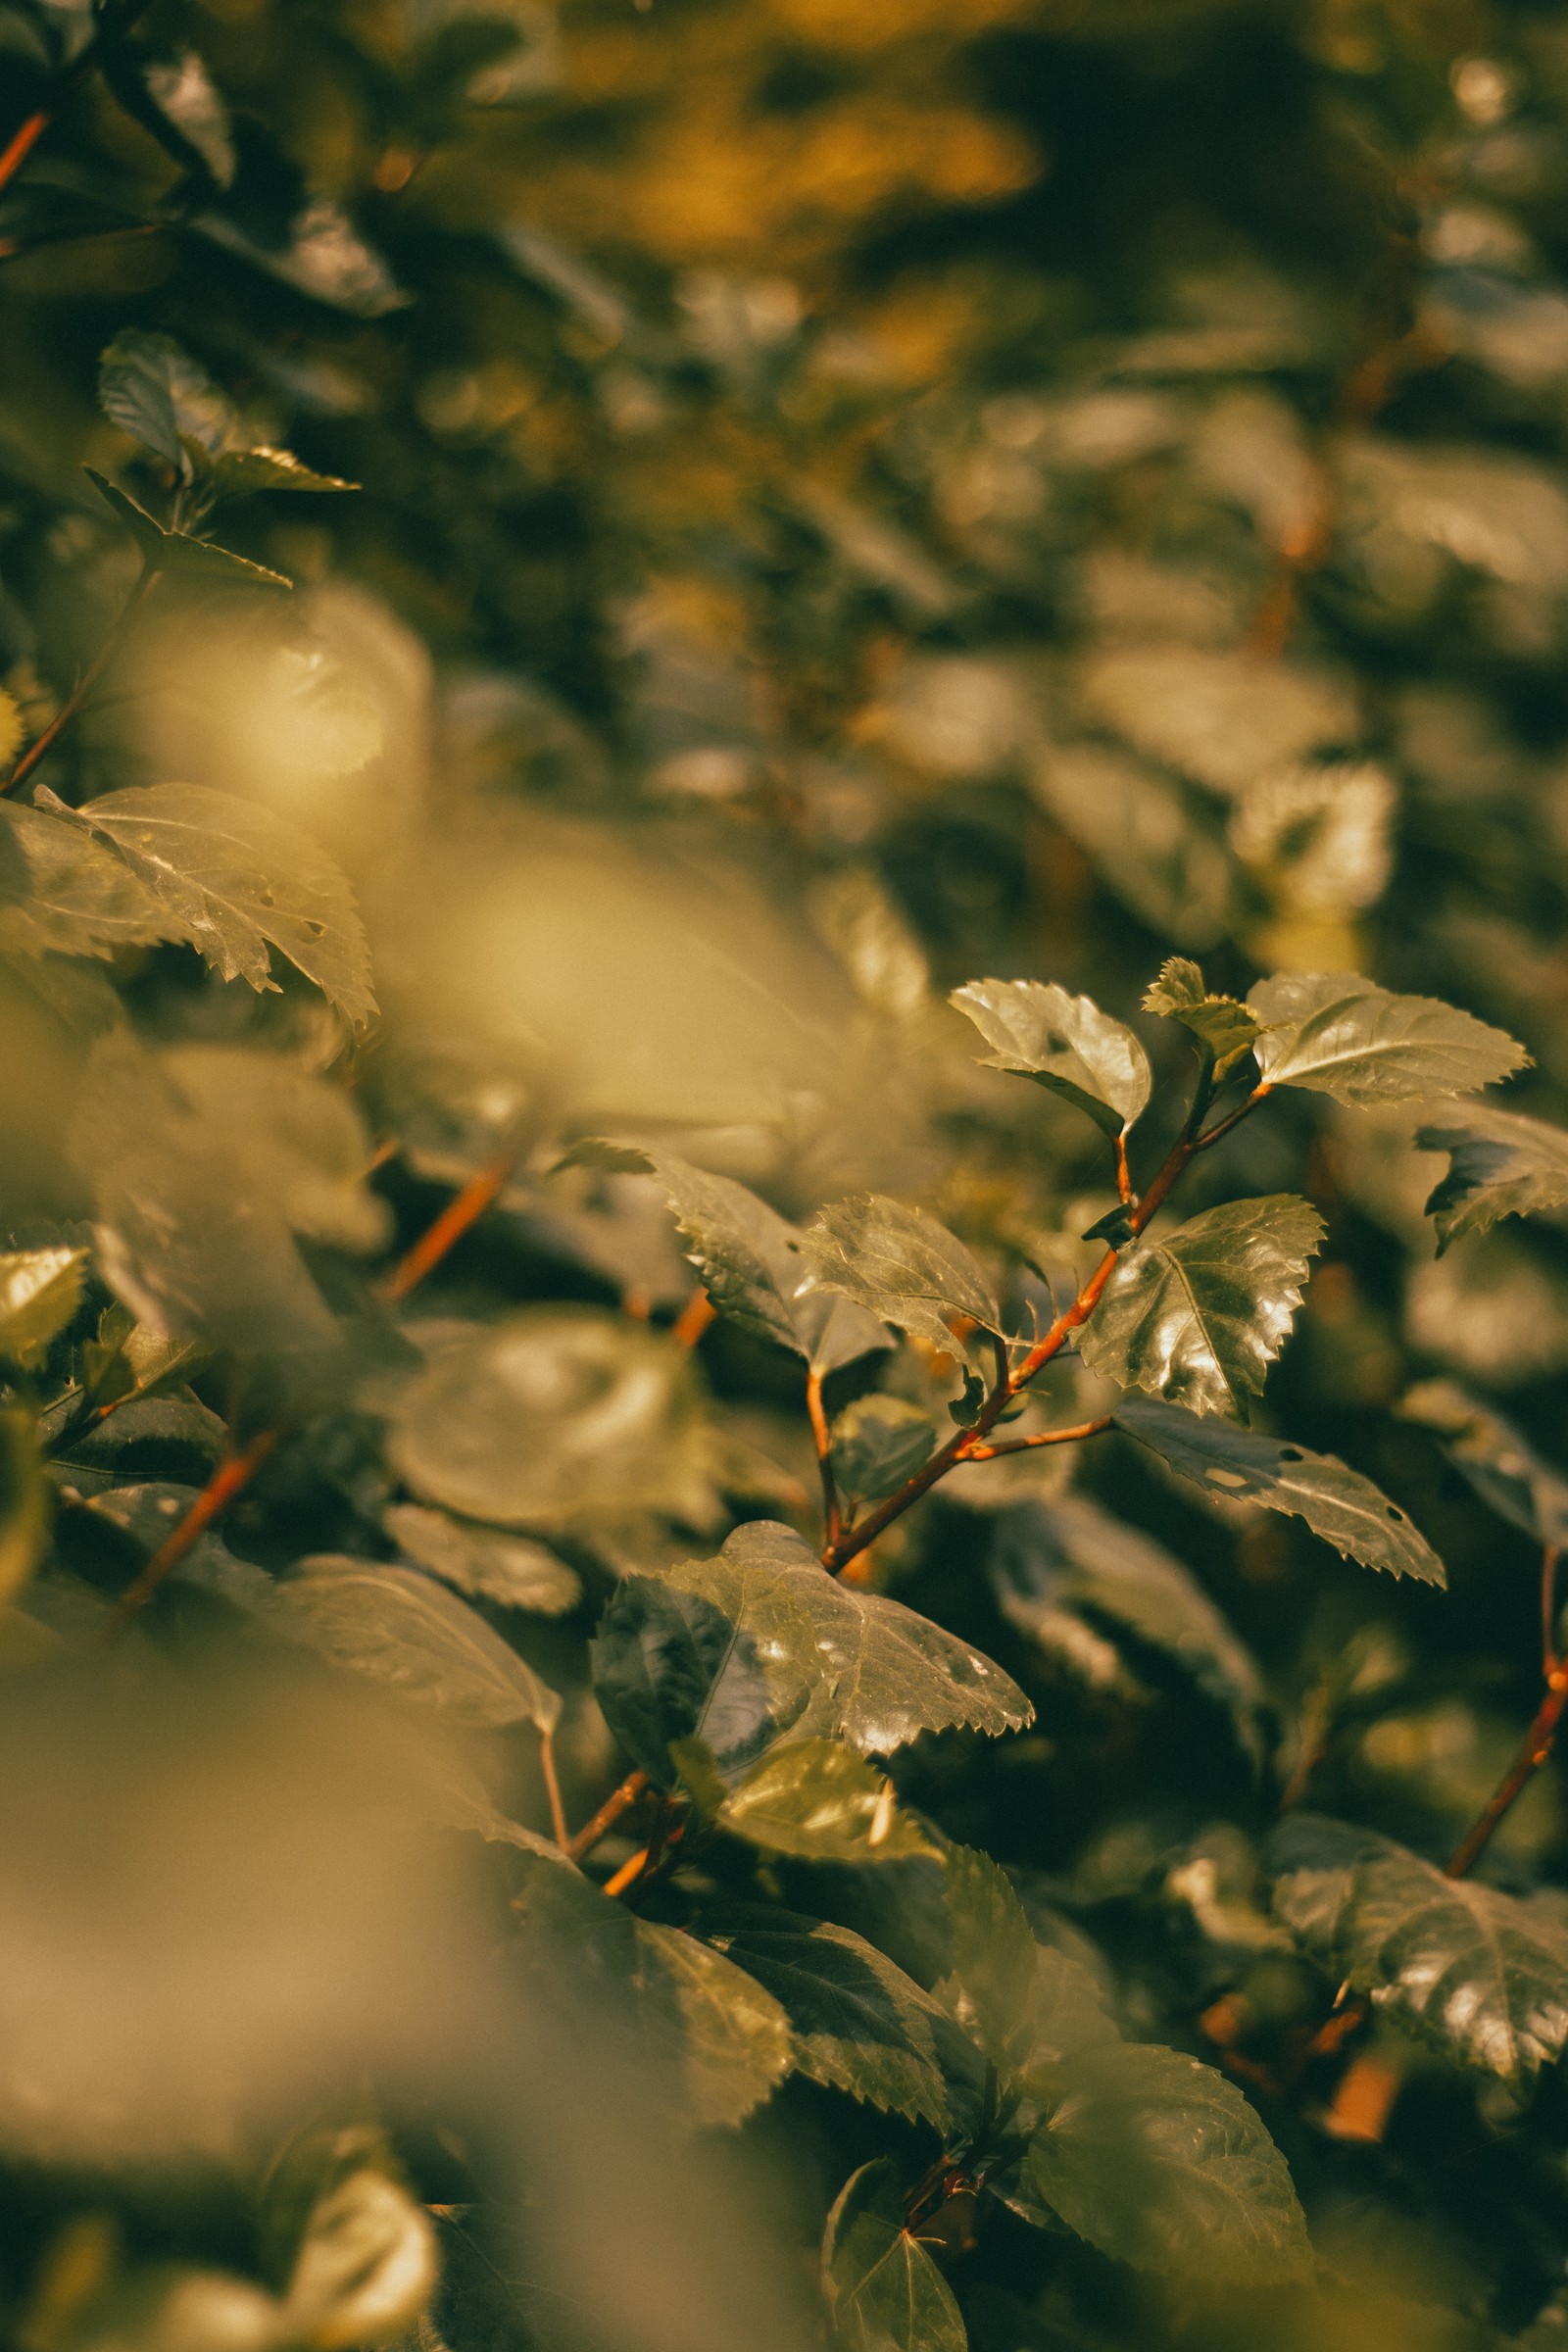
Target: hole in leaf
1291	1453
1393	1514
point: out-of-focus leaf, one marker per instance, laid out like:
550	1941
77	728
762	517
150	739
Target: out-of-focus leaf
1481	1974
63	893
366	2268
731	2037
1154	851
899	1264
399	1629
1222	718
671	1664
1064	1040
823	1804
872	941
885	2290
300	1140
989	1985
1337	1503
155	391
1500	1165
150	1511
26	1502
150	1420
1222	1025
180	555
1070	1560
1160	2163
1318	837
40	1290
878	1441
1340	1035
889	1673
749	1260
859	2024
1490	1452
557	1416
241	879
324	256
1200	1314
483	1562
183	92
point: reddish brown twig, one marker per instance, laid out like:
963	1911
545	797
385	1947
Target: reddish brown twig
618	1801
821	1439
551	1781
693	1320
21	144
228	1481
464	1209
1537	1743
1046	1437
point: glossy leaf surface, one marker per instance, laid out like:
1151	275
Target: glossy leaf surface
1065	1041
899	1264
1338	1034
399	1629
1500	1165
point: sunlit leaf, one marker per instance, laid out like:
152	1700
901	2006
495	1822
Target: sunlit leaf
1160	2163
670	1663
241	879
366	2268
484	1562
1065	1041
989	1985
899	1264
1199	1315
556	1416
1480	1974
399	1629
823	1804
877	1442
858	2023
1060	1565
1337	1503
1500	1165
63	893
1222	1025
885	2290
155	391
40	1290
239	472
176	554
1340	1035
730	2037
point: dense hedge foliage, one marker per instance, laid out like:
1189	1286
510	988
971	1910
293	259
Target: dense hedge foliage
716	1630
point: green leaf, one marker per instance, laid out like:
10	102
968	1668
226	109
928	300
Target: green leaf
877	1442
1067	2011
26	1502
888	1672
397	1628
991	1981
859	2024
40	1290
885	2291
899	1264
155	391
1481	1974
1337	1503
239	472
1065	1041
1490	1452
1145	837
1062	1565
729	2037
1160	2163
366	2268
749	1258
822	1803
239	879
183	558
613	1413
1340	1035
671	1663
1222	1025
63	893
1199	1315
1500	1165
483	1562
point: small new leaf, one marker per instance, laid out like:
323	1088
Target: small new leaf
155	391
1199	1315
1222	1025
1065	1043
1337	1503
1481	1974
180	556
877	1442
1336	1034
899	1264
1500	1165
885	2291
822	1803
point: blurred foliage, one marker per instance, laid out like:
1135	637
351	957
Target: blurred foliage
566	573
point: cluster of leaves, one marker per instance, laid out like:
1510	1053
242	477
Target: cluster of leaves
514	1214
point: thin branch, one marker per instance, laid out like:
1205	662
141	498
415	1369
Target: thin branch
465	1209
619	1801
1212	1135
94	670
1549	1660
27	134
1533	1751
1124	1181
694	1318
228	1482
1049	1437
547	1765
821	1439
